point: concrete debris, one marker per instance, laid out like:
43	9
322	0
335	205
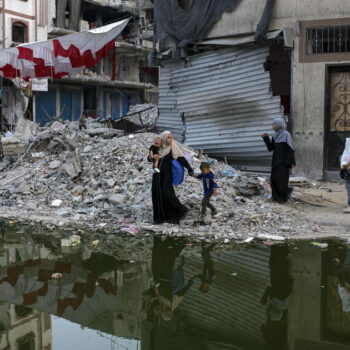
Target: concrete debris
55	164
12	146
25	130
57	203
144	115
58	127
70	178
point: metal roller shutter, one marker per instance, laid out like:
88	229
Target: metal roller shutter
169	115
227	102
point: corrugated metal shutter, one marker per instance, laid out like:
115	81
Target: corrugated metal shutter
45	106
169	115
227	102
232	306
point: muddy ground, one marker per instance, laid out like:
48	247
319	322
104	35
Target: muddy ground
324	206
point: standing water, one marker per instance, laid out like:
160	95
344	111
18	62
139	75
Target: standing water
164	294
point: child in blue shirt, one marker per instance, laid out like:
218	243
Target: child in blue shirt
210	187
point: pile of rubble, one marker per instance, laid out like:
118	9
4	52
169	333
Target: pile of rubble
70	177
144	115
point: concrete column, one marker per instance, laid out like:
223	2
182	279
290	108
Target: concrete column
61	13
304	313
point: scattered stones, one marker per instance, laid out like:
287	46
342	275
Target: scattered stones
57	203
117	199
58	127
84	180
55	164
110	183
144	115
78	190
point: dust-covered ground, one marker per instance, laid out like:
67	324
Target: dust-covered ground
101	181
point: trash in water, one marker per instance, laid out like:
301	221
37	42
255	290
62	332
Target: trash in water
272	237
319	245
132	229
56	276
95	243
71	241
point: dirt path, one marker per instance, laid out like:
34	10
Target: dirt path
324	206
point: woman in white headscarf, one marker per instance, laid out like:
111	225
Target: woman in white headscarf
166	206
345	164
283	160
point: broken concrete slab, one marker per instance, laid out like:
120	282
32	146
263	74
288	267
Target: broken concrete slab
55	164
58	127
117	199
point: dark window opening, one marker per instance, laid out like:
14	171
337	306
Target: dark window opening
90	102
150	16
19	32
328	39
22	311
27	342
279	66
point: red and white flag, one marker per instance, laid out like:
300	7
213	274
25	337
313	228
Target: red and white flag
65	56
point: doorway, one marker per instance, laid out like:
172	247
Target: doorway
338	120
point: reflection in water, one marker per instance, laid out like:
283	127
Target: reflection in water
277	297
183	296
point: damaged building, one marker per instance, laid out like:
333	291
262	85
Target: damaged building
106	90
233	66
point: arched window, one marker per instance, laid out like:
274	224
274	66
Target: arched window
19	32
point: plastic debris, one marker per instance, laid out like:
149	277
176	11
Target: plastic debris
272	237
132	229
56	276
95	243
72	241
228	171
319	245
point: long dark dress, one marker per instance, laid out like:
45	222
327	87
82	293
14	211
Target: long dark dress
164	254
166	206
282	161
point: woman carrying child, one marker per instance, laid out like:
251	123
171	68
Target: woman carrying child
166	206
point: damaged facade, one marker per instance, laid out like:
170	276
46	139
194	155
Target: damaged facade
259	61
108	89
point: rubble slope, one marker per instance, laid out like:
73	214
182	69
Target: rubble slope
69	177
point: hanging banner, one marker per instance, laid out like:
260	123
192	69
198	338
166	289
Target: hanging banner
64	56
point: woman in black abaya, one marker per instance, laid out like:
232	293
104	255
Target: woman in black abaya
166	206
283	160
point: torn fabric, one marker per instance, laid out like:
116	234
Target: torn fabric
186	26
63	56
263	25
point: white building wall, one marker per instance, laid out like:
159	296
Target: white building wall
248	13
20	11
51	14
308	91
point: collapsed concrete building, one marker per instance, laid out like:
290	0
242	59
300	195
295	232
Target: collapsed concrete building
107	90
222	83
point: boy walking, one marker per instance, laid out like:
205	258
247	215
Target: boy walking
210	187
